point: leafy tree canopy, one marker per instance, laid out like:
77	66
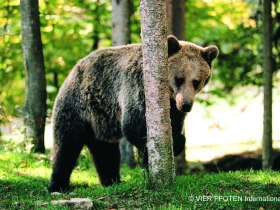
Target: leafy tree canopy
69	30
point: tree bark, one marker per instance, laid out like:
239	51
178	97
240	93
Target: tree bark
267	84
156	87
35	96
120	22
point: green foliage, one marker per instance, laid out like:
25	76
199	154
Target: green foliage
237	36
24	177
11	66
72	29
67	34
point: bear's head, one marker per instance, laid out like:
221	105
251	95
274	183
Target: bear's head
190	69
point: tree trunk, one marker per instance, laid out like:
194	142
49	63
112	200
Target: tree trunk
178	18
95	34
127	153
157	99
121	36
55	80
267	84
120	22
35	97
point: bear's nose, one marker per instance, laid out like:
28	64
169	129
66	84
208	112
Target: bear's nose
187	106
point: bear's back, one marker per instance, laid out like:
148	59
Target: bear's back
101	84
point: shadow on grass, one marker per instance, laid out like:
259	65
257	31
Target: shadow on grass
22	192
24	186
233	162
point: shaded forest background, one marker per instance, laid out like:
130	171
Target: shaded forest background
70	30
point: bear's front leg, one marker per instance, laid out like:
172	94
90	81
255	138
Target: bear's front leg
106	157
179	142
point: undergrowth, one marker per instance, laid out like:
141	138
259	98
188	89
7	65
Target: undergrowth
24	177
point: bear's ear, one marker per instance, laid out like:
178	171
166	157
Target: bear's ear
210	53
173	45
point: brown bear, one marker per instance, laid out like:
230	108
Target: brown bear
103	100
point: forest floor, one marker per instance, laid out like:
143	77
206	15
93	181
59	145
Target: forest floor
24	177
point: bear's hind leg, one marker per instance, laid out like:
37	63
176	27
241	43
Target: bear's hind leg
106	157
64	160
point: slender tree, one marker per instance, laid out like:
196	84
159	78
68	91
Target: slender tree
120	22
178	18
121	36
267	84
155	72
35	97
95	32
127	153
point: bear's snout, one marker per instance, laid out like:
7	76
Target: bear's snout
183	104
187	106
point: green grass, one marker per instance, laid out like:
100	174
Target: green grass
24	177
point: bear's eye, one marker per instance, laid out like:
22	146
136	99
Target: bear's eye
206	81
196	84
179	81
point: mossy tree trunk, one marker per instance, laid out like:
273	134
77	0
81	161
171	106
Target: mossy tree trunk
121	36
157	99
267	84
35	96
